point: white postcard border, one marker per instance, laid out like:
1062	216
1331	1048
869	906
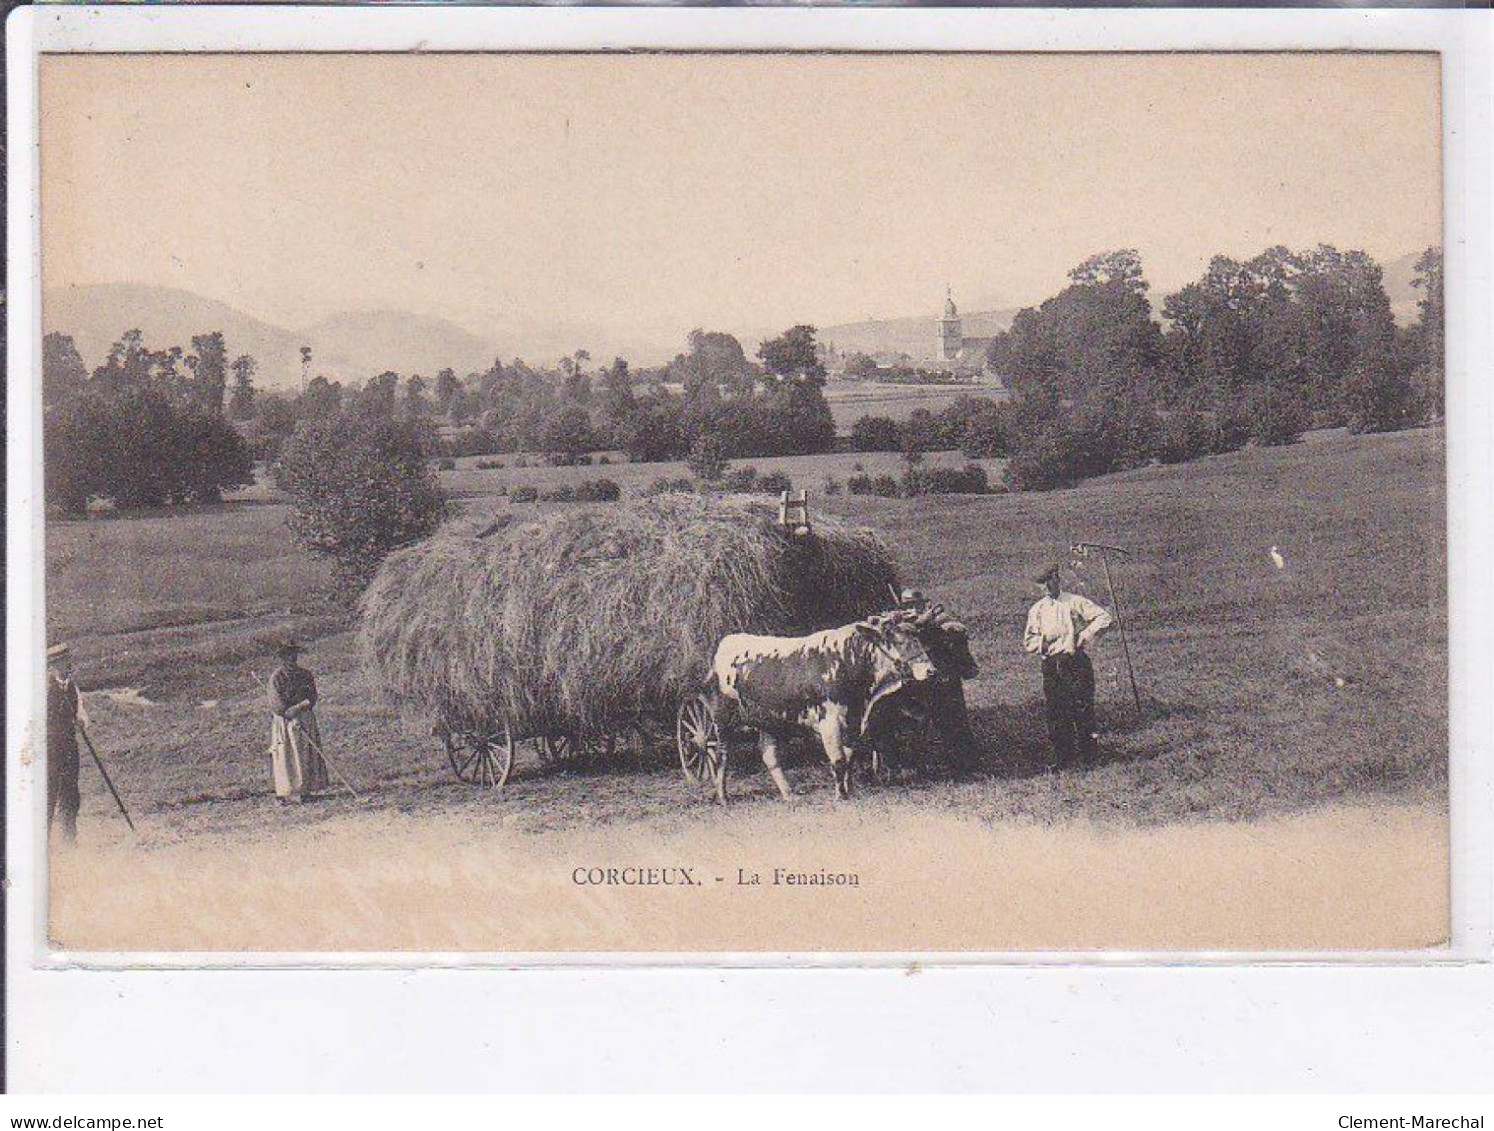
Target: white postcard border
65	1000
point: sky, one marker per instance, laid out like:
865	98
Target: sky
649	194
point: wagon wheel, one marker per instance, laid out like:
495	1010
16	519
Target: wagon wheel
482	757
697	733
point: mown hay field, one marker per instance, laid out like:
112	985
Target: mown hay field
478	488
1267	691
851	400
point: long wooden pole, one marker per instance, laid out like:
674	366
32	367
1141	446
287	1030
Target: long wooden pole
1120	626
99	762
322	754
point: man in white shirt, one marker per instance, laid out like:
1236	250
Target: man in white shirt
1059	627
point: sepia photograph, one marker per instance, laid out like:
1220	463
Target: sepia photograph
671	503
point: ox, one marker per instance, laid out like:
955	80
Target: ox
828	682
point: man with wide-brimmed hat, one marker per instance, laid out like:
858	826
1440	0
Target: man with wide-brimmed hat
1060	626
295	742
64	713
948	644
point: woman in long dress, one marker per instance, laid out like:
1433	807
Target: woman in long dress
295	743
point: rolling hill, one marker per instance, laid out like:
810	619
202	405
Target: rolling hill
97	314
351	346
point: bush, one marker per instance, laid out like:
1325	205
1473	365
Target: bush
361	488
565	493
665	486
1277	416
489	465
1185	436
1428	394
968	480
859	484
604	461
598	491
707	459
886	486
1331	416
1378	398
856	467
1091	443
743	479
987	434
833	486
139	450
524	493
1097	439
1141	433
212	458
965	413
1046	460
470	442
921	432
1231	426
876	434
774	483
445	463
568	435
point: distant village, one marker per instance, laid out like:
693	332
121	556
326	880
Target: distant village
949	356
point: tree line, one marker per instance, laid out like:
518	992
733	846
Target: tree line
144	429
709	393
150	427
1257	350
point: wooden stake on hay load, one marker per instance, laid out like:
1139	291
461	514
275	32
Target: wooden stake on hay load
793	512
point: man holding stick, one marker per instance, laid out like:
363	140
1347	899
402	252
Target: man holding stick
64	713
1059	627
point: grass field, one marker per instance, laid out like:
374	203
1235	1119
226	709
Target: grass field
1266	690
476	491
851	400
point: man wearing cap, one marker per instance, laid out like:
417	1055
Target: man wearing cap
948	644
295	743
64	713
1059	628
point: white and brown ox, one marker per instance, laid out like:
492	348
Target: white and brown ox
828	682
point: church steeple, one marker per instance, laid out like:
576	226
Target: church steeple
951	335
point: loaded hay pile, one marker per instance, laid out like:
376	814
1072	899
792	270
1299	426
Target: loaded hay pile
584	620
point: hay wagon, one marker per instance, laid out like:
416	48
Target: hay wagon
588	630
484	754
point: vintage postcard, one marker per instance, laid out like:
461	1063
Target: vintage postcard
744	504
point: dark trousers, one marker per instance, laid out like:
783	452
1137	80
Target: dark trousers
946	699
63	800
1069	691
